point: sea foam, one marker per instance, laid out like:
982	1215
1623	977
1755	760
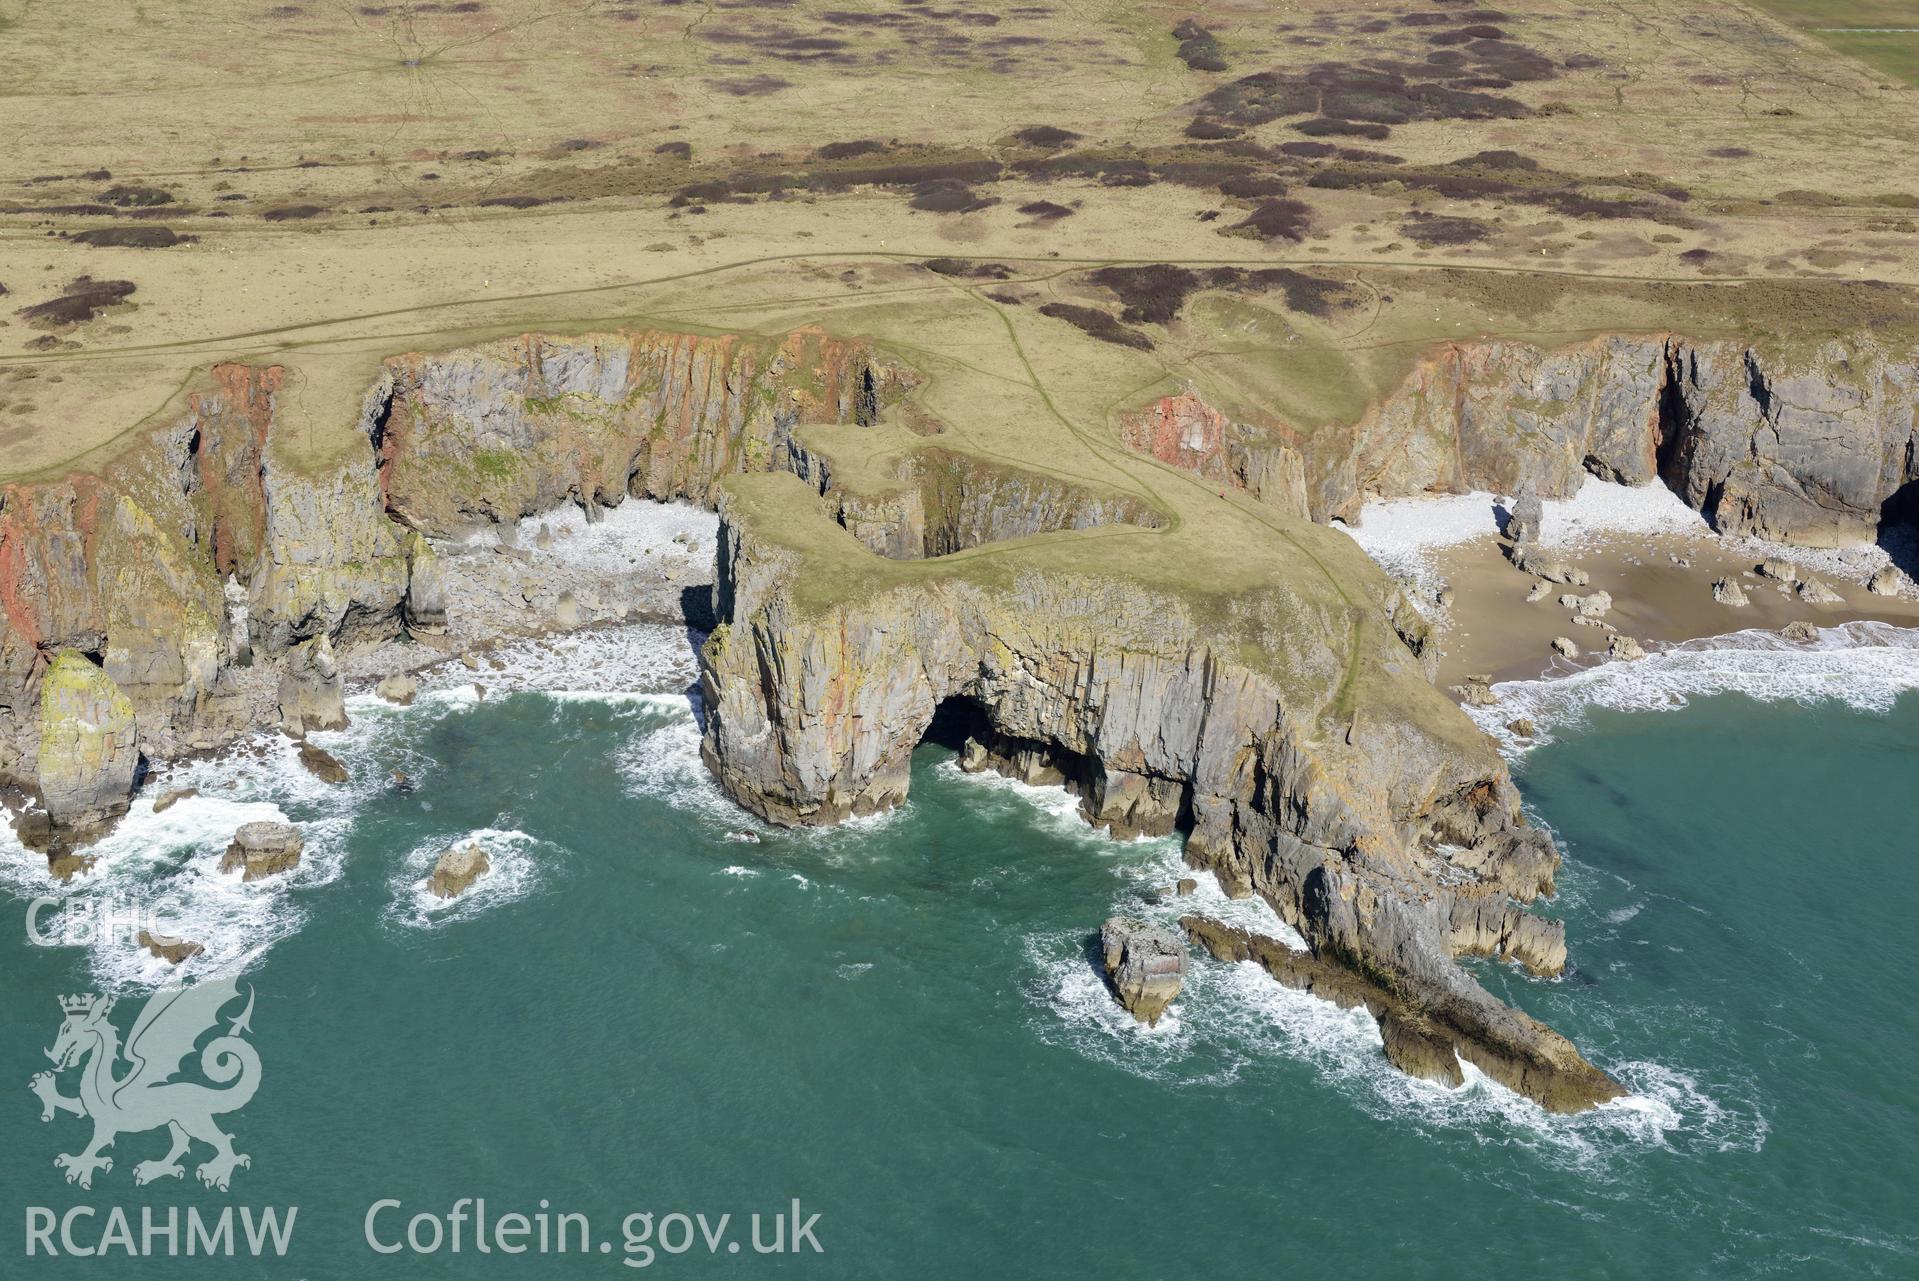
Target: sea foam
1864	665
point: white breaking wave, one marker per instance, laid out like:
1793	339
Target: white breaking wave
1864	665
162	871
627	661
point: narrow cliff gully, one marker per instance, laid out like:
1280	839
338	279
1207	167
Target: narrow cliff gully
1140	604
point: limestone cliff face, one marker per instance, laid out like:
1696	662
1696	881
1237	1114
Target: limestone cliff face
1184	431
1370	830
199	549
88	749
946	502
1813	445
505	430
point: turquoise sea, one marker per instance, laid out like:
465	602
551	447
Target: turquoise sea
897	1024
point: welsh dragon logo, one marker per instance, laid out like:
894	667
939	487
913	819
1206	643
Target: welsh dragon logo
146	1096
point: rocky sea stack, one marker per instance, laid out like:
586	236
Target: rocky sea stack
1144	965
457	870
260	850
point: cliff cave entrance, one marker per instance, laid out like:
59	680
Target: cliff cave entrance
1126	804
1899	526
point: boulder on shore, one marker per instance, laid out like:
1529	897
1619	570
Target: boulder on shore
261	850
312	692
1145	965
1526	516
1539	565
1727	591
1780	571
1624	647
169	949
1814	592
1885	582
1800	632
457	869
1565	647
399	688
1476	691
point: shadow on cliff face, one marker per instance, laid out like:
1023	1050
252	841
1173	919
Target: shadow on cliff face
1899	528
696	611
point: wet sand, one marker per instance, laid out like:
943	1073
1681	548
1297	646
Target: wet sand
1492	629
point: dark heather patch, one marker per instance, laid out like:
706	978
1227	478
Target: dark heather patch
1011	300
127	196
1343	129
1432	232
1497	160
1729	153
751	86
290	213
1310	150
1097	324
1207	129
1149	295
1359	155
1252	186
1049	137
1696	255
908	174
516	202
131	237
680	150
847	150
1383	91
968	269
1275	220
1045	209
83	299
1584	62
1199	48
947	197
1309	295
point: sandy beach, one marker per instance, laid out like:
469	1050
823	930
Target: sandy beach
1655	557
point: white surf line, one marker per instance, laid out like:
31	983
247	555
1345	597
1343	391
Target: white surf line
1865	665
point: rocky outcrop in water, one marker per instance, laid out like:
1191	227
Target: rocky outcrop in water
165	947
260	850
457	870
1377	835
1144	965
